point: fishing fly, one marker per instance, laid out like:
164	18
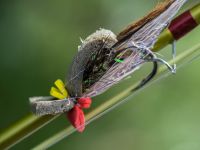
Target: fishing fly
104	59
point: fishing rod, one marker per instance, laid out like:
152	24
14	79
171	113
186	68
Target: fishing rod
179	27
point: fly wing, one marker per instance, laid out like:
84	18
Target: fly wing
136	25
143	38
115	74
146	35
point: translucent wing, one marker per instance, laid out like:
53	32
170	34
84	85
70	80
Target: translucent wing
115	74
146	36
143	38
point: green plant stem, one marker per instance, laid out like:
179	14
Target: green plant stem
22	129
186	57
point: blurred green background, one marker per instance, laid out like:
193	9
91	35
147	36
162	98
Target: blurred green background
38	40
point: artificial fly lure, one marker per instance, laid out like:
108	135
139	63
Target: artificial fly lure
104	59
